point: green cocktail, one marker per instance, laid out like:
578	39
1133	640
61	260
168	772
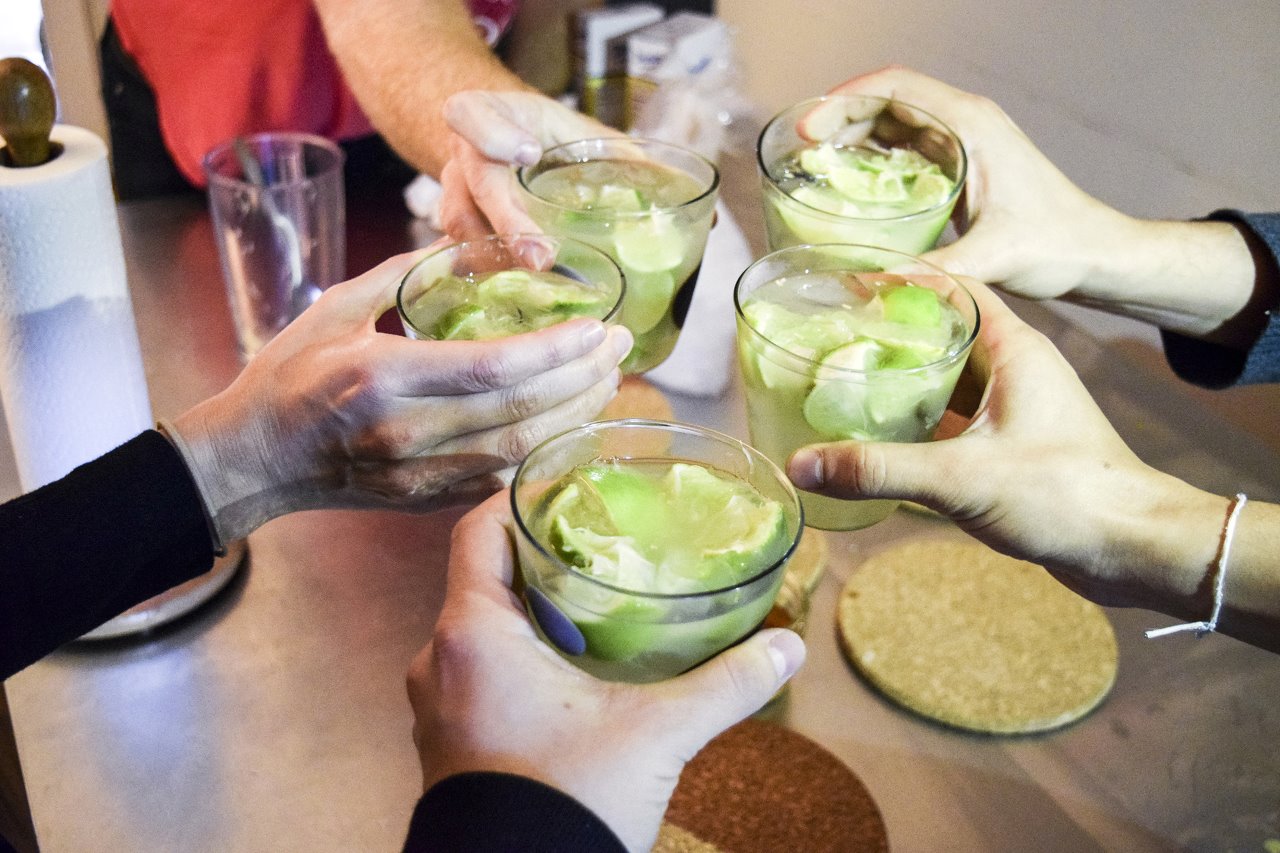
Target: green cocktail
506	285
647	547
833	345
649	206
858	169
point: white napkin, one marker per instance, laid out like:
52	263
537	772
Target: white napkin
703	359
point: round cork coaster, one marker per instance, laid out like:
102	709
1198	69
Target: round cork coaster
761	788
810	559
969	637
637	397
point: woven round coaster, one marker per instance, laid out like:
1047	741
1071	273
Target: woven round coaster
810	559
761	788
637	397
963	635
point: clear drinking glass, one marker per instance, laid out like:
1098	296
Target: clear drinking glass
507	284
834	345
649	206
858	169
703	528
279	219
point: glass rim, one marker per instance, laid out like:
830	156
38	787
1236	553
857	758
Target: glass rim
668	426
810	103
951	354
497	238
327	145
641	142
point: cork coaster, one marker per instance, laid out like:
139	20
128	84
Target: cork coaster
761	788
810	559
637	397
968	637
673	839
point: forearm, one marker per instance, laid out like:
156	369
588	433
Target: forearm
403	60
1201	279
1164	546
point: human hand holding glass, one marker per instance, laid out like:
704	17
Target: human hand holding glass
332	413
617	748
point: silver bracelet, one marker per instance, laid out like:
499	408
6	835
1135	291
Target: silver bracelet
1219	576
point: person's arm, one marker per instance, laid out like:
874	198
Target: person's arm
403	59
1027	228
486	811
112	533
330	413
492	701
1040	474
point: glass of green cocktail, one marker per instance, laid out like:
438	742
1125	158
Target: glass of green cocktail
858	169
649	206
834	345
646	547
505	285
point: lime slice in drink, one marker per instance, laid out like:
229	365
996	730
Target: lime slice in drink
464	322
730	529
523	292
912	305
877	403
651	244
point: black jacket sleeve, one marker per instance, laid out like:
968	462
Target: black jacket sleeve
500	812
1214	366
111	534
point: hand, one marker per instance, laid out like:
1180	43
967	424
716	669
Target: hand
487	694
1024	225
492	132
332	413
1039	473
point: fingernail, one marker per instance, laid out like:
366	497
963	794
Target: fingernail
621	340
786	651
528	153
593	335
805	469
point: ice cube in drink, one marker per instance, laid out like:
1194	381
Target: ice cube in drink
830	353
887	175
647	205
659	561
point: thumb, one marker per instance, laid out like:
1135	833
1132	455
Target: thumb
732	685
968	256
854	469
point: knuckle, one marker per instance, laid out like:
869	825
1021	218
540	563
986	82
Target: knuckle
518	440
488	371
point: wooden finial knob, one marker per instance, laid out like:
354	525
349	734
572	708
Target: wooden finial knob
28	109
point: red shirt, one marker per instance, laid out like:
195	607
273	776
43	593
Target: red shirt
229	67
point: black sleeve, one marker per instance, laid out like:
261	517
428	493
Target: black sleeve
1214	366
112	533
500	812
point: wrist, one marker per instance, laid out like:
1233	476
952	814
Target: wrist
1192	278
227	470
1162	544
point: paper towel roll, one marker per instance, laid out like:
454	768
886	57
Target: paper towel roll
71	377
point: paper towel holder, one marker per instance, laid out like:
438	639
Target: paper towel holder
28	109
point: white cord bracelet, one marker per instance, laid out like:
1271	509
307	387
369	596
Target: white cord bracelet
1219	577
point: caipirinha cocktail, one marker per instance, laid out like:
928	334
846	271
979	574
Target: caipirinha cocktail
658	556
858	169
833	347
649	206
506	285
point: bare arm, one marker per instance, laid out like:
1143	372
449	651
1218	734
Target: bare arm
403	60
